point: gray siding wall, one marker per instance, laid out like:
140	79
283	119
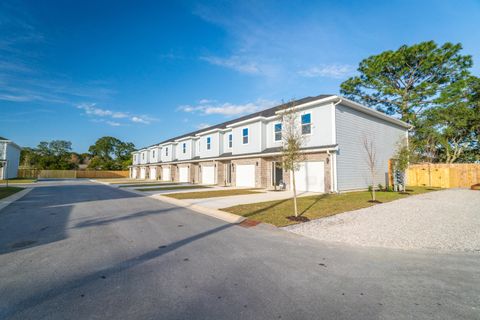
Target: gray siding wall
351	128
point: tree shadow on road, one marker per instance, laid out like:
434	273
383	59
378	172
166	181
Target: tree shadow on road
69	286
41	216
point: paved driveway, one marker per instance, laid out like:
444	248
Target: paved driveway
441	220
230	201
89	251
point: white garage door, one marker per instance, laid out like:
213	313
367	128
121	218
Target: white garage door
166	174
153	173
208	175
143	172
183	174
134	173
245	175
310	176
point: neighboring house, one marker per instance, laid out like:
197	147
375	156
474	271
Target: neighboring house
11	152
244	152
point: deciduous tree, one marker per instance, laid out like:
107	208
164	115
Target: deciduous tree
292	140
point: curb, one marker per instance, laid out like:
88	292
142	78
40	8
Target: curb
101	182
14	197
222	215
215	213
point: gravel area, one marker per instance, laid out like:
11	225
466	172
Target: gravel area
441	220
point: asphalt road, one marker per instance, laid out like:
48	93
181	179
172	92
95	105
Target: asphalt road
87	251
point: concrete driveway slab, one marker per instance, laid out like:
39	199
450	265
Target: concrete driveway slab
224	202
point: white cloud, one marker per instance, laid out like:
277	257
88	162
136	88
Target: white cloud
336	71
203	126
140	119
92	110
113	123
234	62
227	109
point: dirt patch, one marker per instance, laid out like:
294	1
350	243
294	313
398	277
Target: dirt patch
248	223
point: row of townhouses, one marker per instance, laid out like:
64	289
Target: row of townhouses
244	152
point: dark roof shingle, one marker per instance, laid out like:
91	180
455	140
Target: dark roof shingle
264	113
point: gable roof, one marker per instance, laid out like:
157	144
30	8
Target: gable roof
263	113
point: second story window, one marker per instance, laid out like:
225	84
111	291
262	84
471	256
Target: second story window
230	141
143	156
184	147
153	154
245	135
209	143
278	131
166	151
306	123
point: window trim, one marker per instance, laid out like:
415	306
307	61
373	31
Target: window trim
275	132
166	151
247	136
306	124
209	143
184	147
230	141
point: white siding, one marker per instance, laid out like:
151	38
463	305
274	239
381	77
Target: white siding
322	126
214	150
10	153
189	149
144	156
254	139
270	135
225	142
154	156
351	128
196	151
135	158
171	153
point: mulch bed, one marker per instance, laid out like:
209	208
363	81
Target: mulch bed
298	219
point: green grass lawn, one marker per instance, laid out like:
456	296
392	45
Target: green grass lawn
5	192
319	206
18	180
172	188
153	184
210	194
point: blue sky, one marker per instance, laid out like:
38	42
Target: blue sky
143	71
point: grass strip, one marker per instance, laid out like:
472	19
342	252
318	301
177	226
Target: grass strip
318	206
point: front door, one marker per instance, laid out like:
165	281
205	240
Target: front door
277	173
228	174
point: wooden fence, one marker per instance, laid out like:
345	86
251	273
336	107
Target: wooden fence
442	175
71	174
